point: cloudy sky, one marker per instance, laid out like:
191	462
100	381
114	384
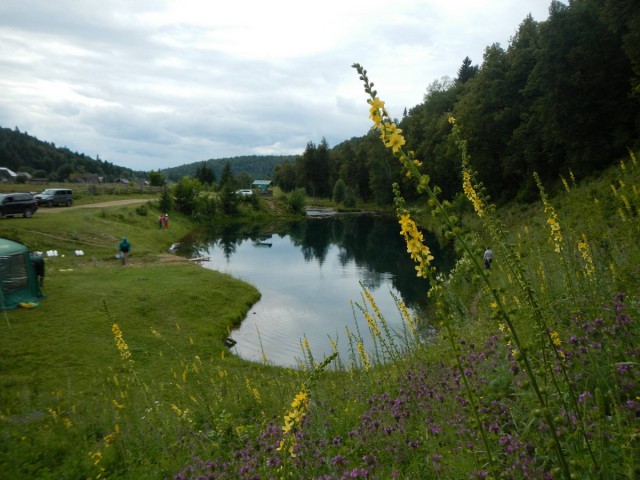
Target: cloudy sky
150	84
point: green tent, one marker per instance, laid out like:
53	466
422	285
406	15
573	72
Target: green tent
18	280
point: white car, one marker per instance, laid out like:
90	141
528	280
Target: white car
244	192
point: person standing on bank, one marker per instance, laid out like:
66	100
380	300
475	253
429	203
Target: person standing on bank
488	258
124	248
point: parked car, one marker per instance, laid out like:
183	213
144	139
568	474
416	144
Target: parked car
20	203
245	192
55	196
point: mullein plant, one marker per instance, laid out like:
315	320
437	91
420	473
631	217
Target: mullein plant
120	398
541	358
296	417
393	139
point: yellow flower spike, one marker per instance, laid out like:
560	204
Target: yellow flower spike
471	194
363	355
625	200
623	217
583	248
373	326
293	420
121	345
96	457
552	220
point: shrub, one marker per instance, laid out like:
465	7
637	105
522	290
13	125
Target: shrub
339	191
297	200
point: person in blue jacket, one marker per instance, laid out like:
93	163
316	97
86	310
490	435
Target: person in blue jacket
124	249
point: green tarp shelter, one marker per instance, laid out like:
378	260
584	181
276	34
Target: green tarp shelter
18	279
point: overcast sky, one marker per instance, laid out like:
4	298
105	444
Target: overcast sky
150	84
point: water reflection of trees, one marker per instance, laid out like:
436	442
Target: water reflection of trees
372	243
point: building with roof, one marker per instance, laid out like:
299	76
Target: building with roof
262	185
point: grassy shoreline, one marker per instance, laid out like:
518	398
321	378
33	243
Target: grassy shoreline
60	356
122	373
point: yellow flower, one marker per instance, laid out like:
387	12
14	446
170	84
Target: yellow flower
583	247
121	345
392	137
376	111
109	439
96	457
471	194
363	355
420	253
373	303
554	225
293	419
552	220
372	324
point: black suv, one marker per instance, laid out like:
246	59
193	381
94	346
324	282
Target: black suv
55	196
21	203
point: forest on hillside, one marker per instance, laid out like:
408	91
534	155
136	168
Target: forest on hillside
20	152
562	98
257	167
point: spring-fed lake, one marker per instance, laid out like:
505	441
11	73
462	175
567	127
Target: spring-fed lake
310	274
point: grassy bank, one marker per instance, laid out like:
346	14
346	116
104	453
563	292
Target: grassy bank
59	363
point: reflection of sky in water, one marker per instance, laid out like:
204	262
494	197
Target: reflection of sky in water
299	299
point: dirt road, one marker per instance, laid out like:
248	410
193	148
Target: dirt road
113	203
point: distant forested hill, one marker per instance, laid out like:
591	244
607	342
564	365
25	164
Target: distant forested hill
43	160
257	167
21	152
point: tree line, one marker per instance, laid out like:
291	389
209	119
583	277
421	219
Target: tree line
561	99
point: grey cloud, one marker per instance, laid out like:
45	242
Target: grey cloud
152	95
